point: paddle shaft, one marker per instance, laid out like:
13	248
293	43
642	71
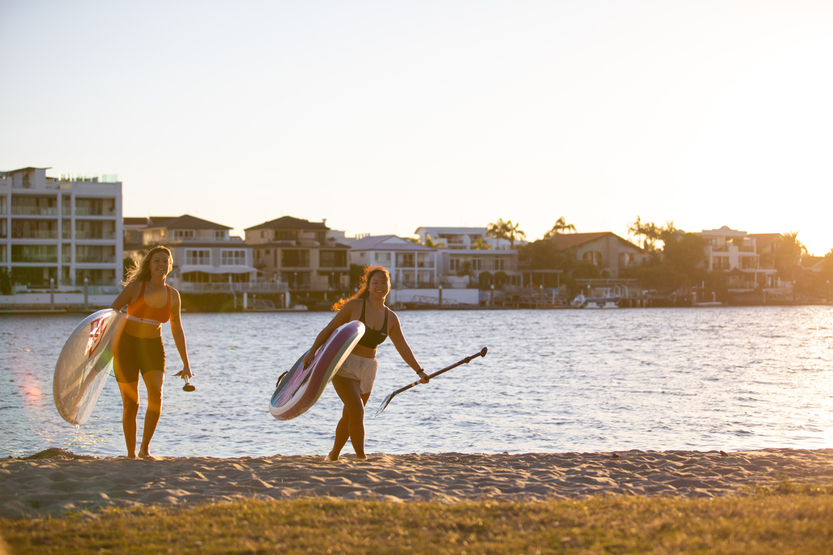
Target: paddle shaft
466	360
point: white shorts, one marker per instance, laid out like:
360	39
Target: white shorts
359	368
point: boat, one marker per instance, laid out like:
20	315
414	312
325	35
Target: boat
595	302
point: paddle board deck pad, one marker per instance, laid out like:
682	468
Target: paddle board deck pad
84	364
300	388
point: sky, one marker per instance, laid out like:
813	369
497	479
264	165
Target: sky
381	117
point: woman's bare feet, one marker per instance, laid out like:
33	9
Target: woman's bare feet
147	456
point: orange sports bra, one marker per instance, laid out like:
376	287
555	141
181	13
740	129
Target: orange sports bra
140	309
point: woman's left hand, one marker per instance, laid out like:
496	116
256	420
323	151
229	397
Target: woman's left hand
424	376
185	372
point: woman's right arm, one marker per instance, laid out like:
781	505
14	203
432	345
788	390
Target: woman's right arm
125	296
343	316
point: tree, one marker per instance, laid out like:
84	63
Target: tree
560	226
481	245
788	255
827	266
429	242
505	230
649	230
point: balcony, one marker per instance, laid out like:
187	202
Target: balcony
33	211
88	211
17	234
100	259
89	235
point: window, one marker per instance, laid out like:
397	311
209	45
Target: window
198	257
233	257
454	264
218	235
500	264
405	260
477	264
332	259
179	234
383	259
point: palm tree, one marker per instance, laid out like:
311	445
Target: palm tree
505	230
560	226
789	252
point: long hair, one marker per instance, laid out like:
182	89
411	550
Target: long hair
364	284
141	271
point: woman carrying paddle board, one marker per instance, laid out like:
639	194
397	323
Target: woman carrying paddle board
150	303
354	380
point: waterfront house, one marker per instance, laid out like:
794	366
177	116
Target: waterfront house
205	256
410	264
60	232
737	254
301	253
468	251
604	249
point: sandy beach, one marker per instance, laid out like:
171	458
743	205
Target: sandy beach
56	481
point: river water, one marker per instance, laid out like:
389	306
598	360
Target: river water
553	381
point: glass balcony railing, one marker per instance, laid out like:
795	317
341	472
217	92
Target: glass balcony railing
104	235
17	234
92	259
33	211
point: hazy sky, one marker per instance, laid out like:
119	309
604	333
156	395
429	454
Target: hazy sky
385	116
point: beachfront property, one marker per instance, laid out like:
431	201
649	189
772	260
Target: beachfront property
60	233
469	252
205	257
303	254
410	264
604	249
738	254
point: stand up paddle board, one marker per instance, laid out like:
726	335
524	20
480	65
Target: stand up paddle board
300	388
84	364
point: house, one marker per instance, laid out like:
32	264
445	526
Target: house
410	264
133	234
301	253
203	252
60	231
604	249
468	251
737	253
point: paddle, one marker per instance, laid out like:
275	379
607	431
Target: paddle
466	360
187	386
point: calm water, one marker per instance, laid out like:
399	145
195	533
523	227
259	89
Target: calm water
554	381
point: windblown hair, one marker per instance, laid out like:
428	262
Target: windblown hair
364	283
141	272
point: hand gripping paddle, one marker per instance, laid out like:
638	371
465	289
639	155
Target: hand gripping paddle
466	360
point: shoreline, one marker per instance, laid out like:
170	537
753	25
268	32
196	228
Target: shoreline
56	482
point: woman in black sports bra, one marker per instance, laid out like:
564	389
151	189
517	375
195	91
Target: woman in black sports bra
354	380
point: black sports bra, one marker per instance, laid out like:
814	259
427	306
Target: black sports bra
373	338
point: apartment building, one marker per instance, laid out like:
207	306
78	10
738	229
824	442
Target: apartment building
60	231
469	251
303	254
410	264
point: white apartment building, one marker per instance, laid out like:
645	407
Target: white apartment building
458	253
410	264
60	230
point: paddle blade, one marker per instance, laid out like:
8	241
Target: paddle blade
384	404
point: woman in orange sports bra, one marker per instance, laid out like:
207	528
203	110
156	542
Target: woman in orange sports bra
150	303
354	380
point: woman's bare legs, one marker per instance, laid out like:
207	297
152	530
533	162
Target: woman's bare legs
351	424
154	380
130	402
